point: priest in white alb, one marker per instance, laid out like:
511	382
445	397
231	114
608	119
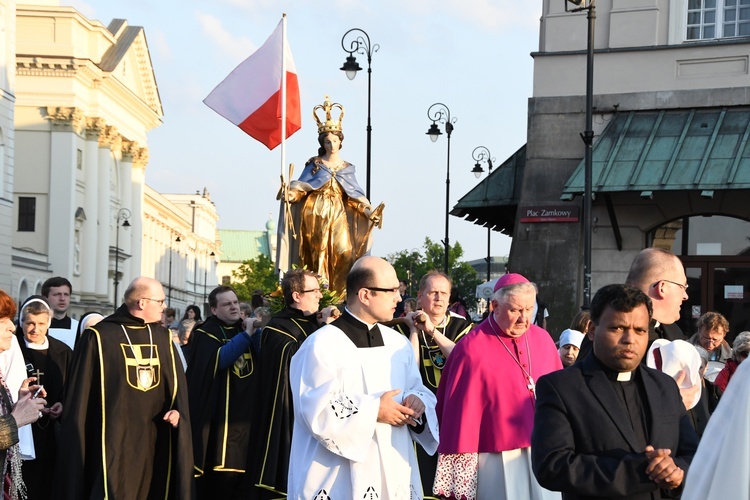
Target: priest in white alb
359	402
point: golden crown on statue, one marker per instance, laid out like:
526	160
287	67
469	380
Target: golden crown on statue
329	125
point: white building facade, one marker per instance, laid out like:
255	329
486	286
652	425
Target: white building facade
86	98
7	101
671	121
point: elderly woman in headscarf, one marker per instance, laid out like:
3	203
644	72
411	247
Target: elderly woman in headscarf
27	410
48	360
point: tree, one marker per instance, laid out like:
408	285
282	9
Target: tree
411	265
254	274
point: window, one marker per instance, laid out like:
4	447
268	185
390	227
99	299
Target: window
707	19
79	159
26	213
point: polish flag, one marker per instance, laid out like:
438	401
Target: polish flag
252	96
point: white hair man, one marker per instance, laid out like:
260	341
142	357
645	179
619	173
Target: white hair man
486	400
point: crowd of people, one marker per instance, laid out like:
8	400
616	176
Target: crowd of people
367	400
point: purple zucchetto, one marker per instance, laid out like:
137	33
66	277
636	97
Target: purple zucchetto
509	279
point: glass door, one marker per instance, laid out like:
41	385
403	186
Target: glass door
730	295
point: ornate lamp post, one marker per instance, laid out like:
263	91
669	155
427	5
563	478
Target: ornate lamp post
169	286
482	155
122	215
588	140
361	45
205	275
439	113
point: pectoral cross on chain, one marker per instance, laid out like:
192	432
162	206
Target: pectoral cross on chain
531	386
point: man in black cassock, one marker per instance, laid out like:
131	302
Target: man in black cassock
48	360
221	382
281	338
125	429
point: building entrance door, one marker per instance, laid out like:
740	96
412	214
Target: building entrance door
717	283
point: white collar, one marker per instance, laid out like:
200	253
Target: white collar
624	376
37	347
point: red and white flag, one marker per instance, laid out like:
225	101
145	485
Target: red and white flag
252	95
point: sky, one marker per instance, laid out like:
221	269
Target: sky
471	55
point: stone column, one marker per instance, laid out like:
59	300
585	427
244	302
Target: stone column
138	176
107	136
90	207
126	197
67	123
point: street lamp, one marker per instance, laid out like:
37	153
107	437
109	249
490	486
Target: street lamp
122	215
361	45
442	114
205	275
482	155
588	140
169	286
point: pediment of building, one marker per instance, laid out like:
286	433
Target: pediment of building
129	61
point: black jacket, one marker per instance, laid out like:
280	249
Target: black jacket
583	443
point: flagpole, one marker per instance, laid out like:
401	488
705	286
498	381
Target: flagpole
279	251
283	94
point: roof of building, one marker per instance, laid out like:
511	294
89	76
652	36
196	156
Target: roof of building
239	245
494	201
662	150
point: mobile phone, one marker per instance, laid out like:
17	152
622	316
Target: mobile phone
38	391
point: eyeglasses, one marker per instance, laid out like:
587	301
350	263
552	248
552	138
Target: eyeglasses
684	286
386	290
160	301
312	290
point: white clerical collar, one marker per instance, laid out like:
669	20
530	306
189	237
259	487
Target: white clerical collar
369	325
624	376
37	347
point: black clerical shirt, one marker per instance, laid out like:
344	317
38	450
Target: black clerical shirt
63	323
358	332
632	395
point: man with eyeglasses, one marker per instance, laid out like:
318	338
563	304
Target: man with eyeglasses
659	274
359	401
280	340
125	429
221	380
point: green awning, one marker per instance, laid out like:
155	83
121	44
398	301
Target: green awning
702	149
494	201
